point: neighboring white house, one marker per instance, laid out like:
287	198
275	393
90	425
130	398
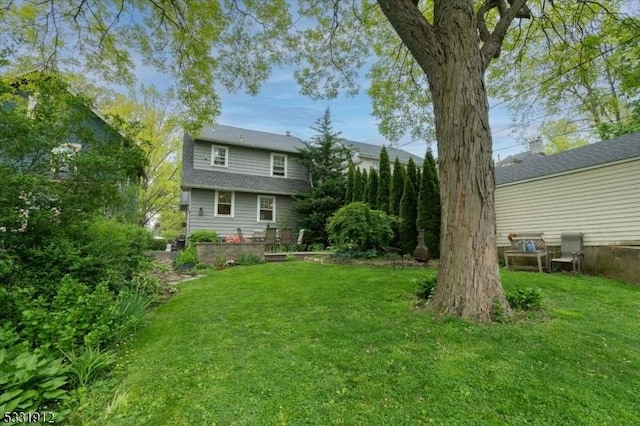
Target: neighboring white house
239	178
594	189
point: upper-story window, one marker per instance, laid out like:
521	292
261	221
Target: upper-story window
279	165
219	156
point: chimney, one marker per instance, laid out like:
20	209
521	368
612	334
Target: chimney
287	133
536	146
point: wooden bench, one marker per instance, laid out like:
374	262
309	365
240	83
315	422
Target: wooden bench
528	245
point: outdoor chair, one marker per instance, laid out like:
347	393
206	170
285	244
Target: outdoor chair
240	236
571	250
286	237
270	239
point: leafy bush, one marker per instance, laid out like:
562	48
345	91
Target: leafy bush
525	300
203	236
186	259
357	227
158	244
28	378
426	287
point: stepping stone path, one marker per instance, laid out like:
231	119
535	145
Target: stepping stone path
166	274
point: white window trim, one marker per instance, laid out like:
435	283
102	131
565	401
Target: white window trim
233	204
273	154
260	197
226	155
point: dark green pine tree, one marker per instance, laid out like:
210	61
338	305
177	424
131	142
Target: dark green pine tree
384	182
429	205
408	217
364	180
325	158
371	191
358	190
412	173
351	175
397	186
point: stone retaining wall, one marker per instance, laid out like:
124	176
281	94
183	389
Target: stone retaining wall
213	253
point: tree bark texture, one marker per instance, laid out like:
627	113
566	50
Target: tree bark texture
468	279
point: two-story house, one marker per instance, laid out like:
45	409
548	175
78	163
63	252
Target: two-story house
239	178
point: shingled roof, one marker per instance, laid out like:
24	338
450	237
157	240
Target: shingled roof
373	151
250	138
610	151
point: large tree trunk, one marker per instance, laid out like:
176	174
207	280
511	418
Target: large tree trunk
468	280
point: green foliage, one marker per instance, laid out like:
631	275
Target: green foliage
77	316
371	190
89	365
186	259
248	259
408	211
351	180
429	215
426	286
529	299
325	158
357	227
203	236
397	186
358	189
384	182
629	124
29	379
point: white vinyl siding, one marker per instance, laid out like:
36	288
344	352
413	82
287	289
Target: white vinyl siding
266	208
219	156
278	165
602	202
246	161
224	203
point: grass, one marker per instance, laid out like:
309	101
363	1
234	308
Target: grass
303	343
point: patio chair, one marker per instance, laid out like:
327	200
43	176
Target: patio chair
286	237
571	250
270	239
242	239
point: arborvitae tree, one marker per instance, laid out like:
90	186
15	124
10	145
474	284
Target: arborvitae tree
364	180
384	182
325	158
408	213
412	173
397	186
351	174
429	205
358	189
371	191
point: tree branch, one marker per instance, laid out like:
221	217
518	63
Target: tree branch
493	42
415	32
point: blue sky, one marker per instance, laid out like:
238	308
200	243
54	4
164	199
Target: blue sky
280	107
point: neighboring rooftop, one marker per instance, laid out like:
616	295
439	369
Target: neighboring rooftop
618	149
373	151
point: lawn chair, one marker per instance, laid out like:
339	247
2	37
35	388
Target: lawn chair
286	237
240	236
571	250
270	239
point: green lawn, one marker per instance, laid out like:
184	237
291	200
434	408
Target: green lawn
304	343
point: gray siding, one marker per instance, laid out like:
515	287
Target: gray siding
245	160
603	202
245	213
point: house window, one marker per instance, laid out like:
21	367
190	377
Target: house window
219	156
266	208
63	156
224	203
278	165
